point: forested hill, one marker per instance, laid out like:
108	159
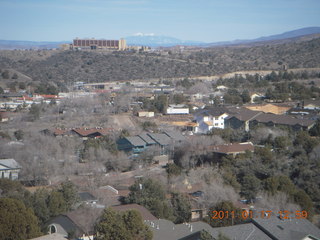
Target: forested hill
93	66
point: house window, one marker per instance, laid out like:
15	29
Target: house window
216	118
216	124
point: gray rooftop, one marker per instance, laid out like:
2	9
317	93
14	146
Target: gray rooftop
136	141
54	236
175	135
283	119
86	196
164	229
293	229
161	138
242	114
261	229
9	164
146	138
212	111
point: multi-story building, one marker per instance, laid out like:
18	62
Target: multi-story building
99	44
209	118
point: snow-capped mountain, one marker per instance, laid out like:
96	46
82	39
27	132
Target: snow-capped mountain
153	40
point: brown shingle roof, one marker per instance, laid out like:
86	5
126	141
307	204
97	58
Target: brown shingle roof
85	218
146	215
60	131
85	132
283	119
242	114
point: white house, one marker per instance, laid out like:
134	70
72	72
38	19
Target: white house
9	168
255	96
210	118
178	109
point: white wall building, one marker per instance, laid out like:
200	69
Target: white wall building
177	109
209	119
9	168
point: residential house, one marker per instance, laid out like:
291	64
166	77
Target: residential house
137	144
165	229
191	127
245	119
82	132
145	213
272	120
294	229
96	132
240	118
149	141
59	132
232	148
134	144
311	104
210	118
146	114
256	96
9	168
111	196
303	112
177	109
176	136
272	228
88	198
164	142
78	224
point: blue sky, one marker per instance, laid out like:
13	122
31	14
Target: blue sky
201	20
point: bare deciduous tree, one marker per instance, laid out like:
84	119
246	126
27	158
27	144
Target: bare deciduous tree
279	201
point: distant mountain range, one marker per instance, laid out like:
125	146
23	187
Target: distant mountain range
13	44
286	35
158	41
164	41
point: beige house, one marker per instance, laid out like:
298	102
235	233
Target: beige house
269	108
146	114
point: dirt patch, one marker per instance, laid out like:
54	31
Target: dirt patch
121	121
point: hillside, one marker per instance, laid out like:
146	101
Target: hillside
93	66
295	35
11	44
